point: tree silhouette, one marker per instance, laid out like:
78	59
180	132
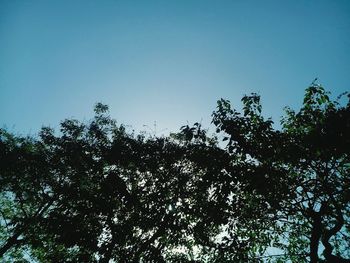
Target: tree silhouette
95	192
299	176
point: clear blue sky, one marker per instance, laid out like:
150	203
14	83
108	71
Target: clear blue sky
166	61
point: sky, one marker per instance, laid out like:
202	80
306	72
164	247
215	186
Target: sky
165	62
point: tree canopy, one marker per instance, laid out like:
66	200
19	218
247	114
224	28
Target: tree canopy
96	192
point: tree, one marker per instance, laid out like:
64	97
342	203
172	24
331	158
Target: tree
298	175
95	192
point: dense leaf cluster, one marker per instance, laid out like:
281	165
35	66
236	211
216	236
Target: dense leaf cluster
95	192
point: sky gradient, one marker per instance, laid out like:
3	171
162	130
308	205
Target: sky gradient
164	61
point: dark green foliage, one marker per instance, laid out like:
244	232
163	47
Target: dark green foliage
300	175
95	192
